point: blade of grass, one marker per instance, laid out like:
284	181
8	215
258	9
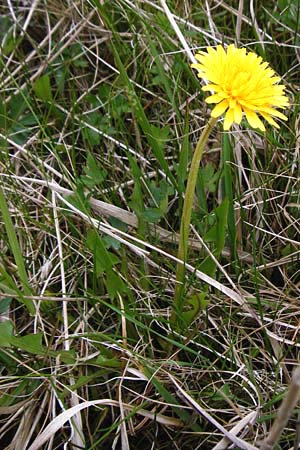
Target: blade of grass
228	192
169	398
162	73
16	251
135	103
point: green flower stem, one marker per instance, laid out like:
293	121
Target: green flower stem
186	219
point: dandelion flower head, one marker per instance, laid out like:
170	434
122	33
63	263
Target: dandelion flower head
242	84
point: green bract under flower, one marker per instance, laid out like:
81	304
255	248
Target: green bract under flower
242	83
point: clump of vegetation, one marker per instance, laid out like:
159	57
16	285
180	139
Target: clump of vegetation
100	113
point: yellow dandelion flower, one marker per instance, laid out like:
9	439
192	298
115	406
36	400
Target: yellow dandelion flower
241	84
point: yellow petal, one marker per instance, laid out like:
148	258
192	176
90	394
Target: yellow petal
228	120
219	108
216	98
273	112
270	120
254	120
238	114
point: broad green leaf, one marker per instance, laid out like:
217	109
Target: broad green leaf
194	305
102	361
31	343
94	173
217	233
67	356
152	215
111	242
10	364
103	259
114	284
6	333
216	237
136	200
42	88
210	177
208	266
159	200
161	136
17	105
4	304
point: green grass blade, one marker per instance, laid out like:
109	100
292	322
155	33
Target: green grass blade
16	251
137	108
228	183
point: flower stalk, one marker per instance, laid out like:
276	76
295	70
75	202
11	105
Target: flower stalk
186	220
242	86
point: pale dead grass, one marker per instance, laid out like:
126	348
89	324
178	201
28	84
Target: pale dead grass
232	359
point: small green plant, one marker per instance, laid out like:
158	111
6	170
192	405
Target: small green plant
242	84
